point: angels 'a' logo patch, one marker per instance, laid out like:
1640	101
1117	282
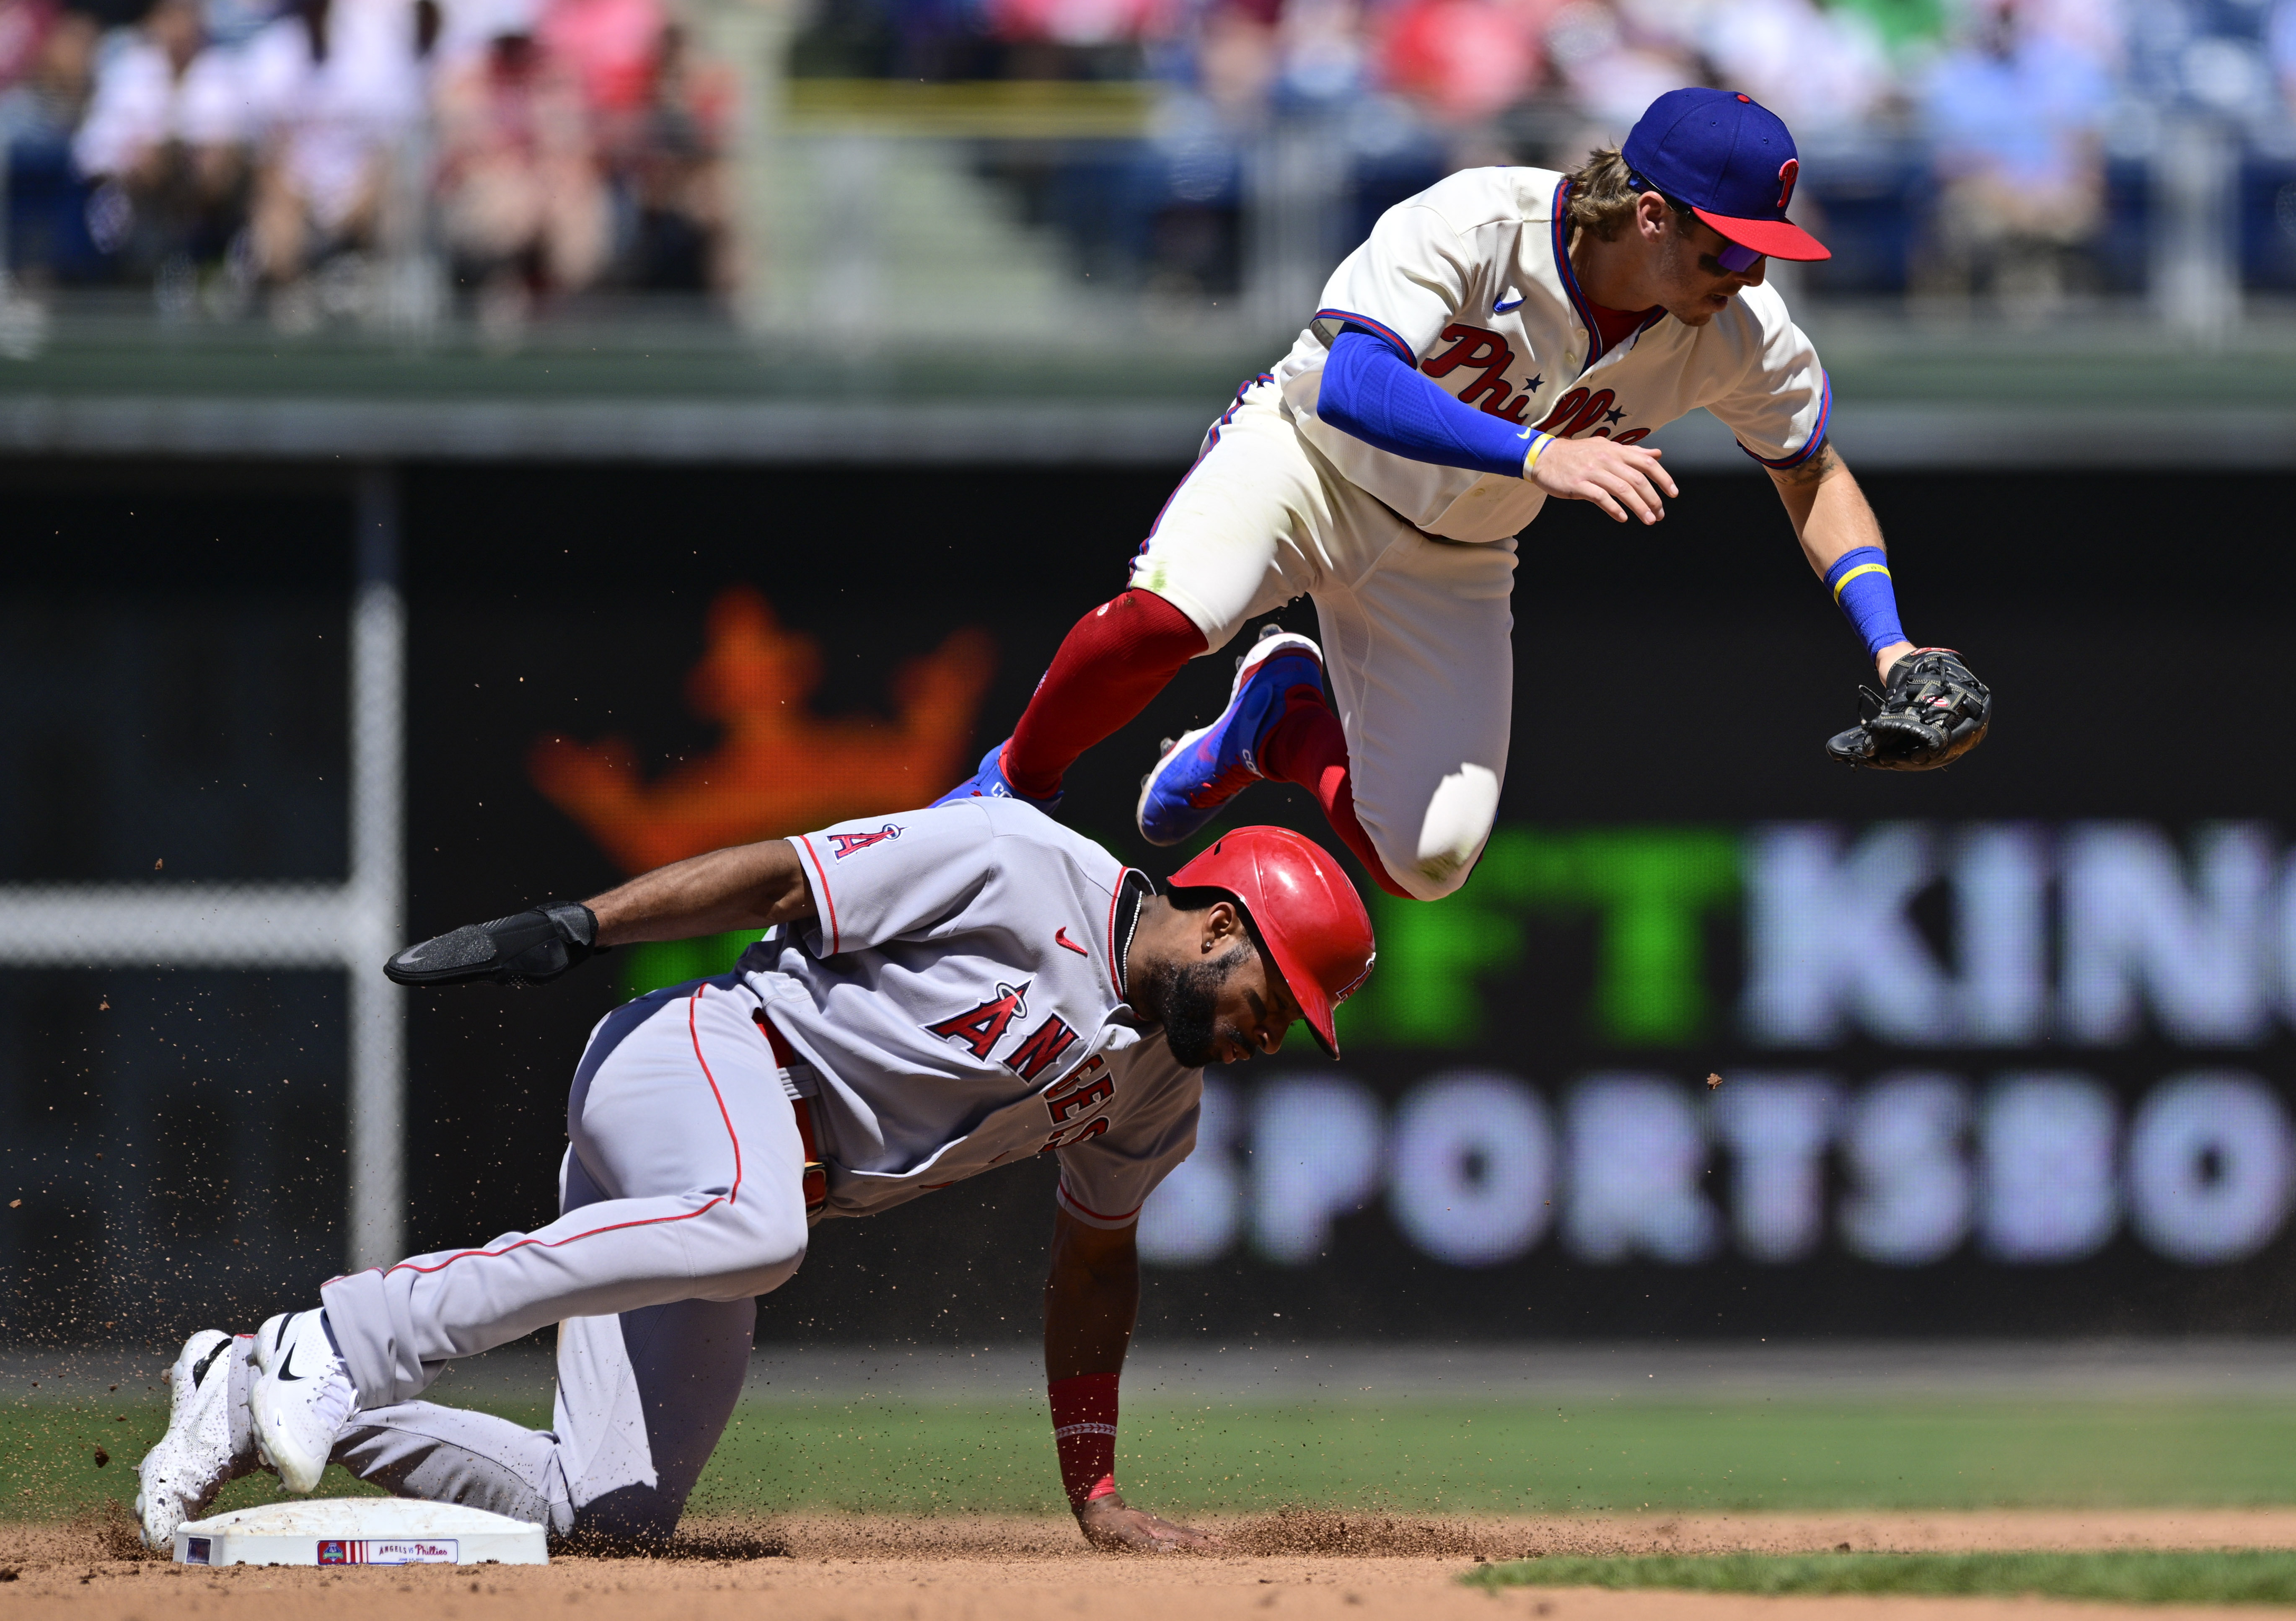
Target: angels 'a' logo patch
848	843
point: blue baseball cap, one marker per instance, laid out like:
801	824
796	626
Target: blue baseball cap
1732	160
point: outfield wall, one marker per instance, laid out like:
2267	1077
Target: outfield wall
2004	1050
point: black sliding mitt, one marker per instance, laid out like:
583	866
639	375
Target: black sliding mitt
524	949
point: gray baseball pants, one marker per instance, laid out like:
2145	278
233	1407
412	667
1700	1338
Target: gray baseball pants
681	1201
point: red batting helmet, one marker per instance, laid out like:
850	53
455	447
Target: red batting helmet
1307	913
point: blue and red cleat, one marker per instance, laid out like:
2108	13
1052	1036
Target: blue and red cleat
989	783
1213	764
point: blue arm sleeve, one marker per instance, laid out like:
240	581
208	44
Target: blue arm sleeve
1369	392
1860	580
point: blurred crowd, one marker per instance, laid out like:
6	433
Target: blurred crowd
292	156
282	153
2006	133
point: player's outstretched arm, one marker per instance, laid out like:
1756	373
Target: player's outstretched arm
751	886
1931	708
1832	518
1622	479
1092	1296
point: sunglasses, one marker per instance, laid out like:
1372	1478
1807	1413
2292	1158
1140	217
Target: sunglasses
1735	257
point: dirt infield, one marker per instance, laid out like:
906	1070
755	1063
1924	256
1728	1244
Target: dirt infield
1297	1566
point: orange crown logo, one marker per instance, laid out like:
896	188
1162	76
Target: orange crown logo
779	769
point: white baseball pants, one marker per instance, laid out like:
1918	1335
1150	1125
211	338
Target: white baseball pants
1417	632
681	1201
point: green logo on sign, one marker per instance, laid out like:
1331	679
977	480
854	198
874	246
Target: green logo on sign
1650	890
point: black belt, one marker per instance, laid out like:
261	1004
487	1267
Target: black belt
816	1173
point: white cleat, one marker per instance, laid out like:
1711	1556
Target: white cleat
302	1398
195	1458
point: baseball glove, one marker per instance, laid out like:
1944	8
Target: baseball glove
1934	712
526	949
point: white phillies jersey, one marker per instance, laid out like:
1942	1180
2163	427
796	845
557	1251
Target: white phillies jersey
958	999
1471	281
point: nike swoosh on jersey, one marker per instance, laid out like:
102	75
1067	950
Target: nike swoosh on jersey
1507	301
1061	937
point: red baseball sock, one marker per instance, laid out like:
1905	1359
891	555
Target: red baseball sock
1306	747
1117	658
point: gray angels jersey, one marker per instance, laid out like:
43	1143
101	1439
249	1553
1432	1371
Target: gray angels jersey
959	1003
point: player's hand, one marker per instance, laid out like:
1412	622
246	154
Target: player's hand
526	948
1619	478
1109	1525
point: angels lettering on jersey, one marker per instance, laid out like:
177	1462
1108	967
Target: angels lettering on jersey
956	1001
1075	1102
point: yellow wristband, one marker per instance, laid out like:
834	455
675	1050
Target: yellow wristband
1538	448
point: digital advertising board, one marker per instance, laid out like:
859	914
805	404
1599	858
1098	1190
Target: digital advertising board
1720	1038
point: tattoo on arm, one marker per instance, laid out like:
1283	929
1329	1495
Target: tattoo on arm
1810	472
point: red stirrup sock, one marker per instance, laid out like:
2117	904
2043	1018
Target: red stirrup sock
1306	747
1118	657
1084	1429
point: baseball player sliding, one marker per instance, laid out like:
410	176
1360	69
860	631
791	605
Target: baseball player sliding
1506	336
939	991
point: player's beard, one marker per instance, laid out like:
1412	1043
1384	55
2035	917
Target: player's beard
1191	1004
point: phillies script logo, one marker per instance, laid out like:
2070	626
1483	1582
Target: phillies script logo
1490	392
1489	355
1579	410
847	843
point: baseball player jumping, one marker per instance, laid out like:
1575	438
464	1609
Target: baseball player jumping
940	991
1506	335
